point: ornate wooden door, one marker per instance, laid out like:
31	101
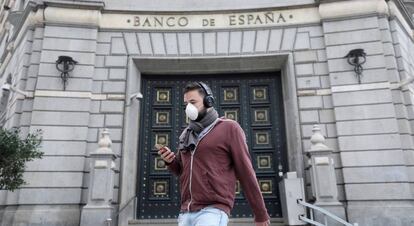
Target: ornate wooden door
254	100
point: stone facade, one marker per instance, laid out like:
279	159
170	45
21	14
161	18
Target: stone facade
368	126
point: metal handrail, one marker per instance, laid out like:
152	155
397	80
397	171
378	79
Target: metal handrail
325	213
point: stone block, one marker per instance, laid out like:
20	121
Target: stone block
275	40
80	71
340	51
375	174
400	111
322	55
326	116
406	141
368	76
109	106
103	48
33	70
144	43
171	43
390	62
101	74
131	43
310	102
64	215
222	43
99	61
249	38
25	119
61	104
304	69
302	41
37	45
114	120
404	126
388	49
116	134
379	96
117	73
63	148
235	42
307	130
320	68
289	37
396	213
376	111
96	120
27	105
314	31
309	116
73	45
262	40
369	142
97	86
107	36
184	43
50	196
157	41
53	179
60	118
93	135
197	43
95	106
349	37
73	84
327	101
350	24
35	58
309	82
317	43
372	158
325	82
113	87
70	32
340	65
118	46
378	191
209	43
116	61
362	127
305	56
57	163
50	56
331	130
73	133
386	36
39	32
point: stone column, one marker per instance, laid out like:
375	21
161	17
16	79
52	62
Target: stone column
98	210
323	179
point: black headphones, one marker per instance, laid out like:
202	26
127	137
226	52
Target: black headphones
208	100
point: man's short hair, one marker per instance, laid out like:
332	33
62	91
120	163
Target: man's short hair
194	86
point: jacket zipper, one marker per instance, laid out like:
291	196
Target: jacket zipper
191	164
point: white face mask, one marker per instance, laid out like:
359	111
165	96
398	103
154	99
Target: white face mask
191	111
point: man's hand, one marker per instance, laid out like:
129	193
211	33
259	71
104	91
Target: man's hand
266	223
166	154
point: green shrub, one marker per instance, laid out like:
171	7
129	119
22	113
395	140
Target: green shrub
14	153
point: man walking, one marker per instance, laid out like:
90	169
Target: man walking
212	154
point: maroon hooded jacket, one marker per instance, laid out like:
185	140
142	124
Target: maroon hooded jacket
208	174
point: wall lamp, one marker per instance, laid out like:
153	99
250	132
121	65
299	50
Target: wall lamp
7	87
65	64
356	58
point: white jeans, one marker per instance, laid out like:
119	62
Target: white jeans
208	216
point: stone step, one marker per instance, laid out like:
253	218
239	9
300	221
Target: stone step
173	222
